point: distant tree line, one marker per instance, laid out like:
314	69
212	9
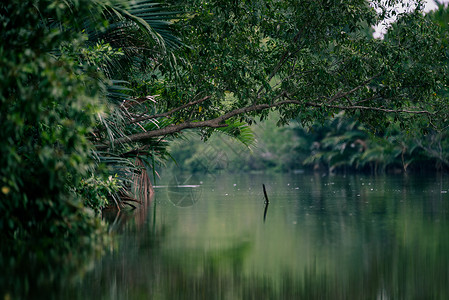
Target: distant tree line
340	145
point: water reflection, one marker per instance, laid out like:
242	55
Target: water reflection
44	268
335	237
326	238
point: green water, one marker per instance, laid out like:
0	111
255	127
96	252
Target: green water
323	237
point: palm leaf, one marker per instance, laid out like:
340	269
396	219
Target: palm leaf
240	131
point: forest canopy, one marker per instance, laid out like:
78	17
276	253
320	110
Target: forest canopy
309	60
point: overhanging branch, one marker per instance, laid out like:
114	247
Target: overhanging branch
220	121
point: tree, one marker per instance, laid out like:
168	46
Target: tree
48	105
307	59
63	67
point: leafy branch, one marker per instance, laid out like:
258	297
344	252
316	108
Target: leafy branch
220	121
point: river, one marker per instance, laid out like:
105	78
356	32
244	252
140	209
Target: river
320	237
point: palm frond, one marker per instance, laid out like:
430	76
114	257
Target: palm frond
240	131
159	18
128	21
117	91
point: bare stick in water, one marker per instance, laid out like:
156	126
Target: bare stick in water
266	203
265	194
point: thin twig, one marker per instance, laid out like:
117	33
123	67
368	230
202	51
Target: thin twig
145	118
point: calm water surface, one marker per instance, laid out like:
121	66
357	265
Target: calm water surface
321	237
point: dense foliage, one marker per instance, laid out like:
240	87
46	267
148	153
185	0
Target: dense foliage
63	96
48	105
307	59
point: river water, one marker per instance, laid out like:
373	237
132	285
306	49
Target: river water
320	237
